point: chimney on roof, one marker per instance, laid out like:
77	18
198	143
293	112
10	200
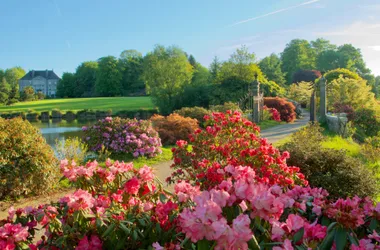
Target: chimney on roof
32	73
47	74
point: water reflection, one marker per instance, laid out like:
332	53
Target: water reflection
53	130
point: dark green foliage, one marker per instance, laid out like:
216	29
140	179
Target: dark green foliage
226	106
298	54
271	67
131	67
195	95
108	77
230	90
215	67
86	78
4	91
333	170
66	86
366	122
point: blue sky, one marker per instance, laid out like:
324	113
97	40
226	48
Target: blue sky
60	34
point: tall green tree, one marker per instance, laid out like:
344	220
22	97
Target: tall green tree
192	61
66	86
271	67
131	66
320	45
329	60
241	65
298	54
86	77
12	76
108	77
214	68
201	75
166	72
5	88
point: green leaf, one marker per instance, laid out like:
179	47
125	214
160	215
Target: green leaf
325	221
353	239
373	224
125	228
108	231
340	238
134	235
203	245
298	236
332	225
184	242
163	198
142	222
253	244
328	241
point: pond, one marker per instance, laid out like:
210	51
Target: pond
54	130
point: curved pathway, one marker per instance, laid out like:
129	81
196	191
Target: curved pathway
273	134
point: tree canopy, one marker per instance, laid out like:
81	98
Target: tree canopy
271	67
166	72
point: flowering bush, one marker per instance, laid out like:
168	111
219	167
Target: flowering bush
286	109
195	113
27	162
230	139
174	127
367	121
273	114
119	207
136	137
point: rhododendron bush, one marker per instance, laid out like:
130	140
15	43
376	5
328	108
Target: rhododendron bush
117	135
240	206
229	139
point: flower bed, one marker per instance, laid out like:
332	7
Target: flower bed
116	135
119	207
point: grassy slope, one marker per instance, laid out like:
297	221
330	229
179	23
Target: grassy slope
75	104
268	124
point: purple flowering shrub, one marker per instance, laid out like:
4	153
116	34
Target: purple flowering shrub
117	135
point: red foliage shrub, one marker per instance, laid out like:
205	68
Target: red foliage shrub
306	75
287	109
174	127
345	108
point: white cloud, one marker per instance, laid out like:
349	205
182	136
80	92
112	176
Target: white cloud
376	47
273	13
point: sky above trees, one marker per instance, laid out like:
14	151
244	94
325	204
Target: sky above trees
60	34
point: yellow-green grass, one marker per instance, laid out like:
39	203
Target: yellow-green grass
268	124
141	161
336	142
76	104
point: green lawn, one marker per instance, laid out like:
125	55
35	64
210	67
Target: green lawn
268	124
141	161
75	104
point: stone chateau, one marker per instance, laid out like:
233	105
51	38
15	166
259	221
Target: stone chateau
44	81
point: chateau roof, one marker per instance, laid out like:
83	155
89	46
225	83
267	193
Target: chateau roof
48	74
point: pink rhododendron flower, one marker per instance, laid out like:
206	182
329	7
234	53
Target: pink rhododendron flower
80	199
146	173
157	246
93	244
132	186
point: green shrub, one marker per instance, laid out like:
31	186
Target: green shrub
197	113
301	93
226	106
336	73
56	113
333	170
371	149
27	162
366	123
